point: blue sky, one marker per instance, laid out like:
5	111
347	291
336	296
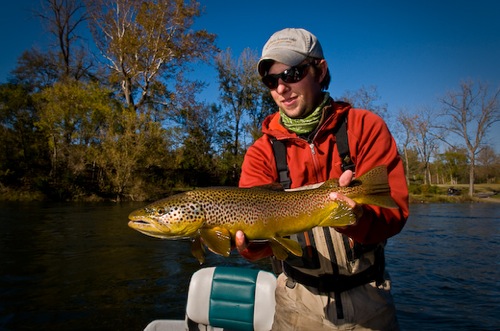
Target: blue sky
412	51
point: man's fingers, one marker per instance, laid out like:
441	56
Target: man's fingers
240	241
356	209
341	197
346	178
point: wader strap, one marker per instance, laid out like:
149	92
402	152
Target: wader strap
343	146
279	149
335	268
339	283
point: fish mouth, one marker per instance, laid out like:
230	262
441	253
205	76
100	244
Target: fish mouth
153	229
147	227
139	222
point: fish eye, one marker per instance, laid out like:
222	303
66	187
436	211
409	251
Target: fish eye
161	211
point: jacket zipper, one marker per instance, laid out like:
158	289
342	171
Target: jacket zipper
315	162
313	151
310	140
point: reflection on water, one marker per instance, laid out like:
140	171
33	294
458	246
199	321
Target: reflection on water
79	267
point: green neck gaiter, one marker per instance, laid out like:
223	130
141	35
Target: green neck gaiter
307	124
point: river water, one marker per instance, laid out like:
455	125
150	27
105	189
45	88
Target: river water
77	266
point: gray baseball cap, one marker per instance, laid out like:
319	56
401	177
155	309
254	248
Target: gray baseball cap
291	47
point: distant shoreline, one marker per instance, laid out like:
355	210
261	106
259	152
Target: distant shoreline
32	196
439	198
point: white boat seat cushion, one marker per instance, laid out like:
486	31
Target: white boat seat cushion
232	298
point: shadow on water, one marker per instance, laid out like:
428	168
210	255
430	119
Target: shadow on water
77	266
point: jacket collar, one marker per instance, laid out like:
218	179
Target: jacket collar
332	112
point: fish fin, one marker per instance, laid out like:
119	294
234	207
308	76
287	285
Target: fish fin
217	239
197	249
278	251
342	215
290	245
376	189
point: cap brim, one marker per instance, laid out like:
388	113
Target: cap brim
287	57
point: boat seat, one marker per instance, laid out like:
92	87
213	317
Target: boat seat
232	298
226	298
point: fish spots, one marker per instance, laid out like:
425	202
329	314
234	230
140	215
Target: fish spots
185	212
192	212
258	212
235	208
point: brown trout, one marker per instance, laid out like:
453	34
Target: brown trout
211	216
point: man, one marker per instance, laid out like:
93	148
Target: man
340	282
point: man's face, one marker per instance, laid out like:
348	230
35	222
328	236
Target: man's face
299	99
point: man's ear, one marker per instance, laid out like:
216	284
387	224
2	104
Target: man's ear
323	66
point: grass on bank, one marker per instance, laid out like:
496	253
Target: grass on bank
439	193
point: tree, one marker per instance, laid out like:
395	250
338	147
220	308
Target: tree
419	133
195	127
35	70
38	69
90	136
266	107
130	145
70	113
22	152
425	140
366	98
63	18
488	163
453	163
240	88
407	132
470	112
240	93
146	43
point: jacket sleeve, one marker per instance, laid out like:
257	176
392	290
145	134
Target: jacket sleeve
374	145
259	166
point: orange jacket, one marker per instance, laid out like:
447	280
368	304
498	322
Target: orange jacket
317	160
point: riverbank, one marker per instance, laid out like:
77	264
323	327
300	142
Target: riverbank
442	198
483	193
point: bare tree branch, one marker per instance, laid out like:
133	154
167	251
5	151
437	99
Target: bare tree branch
470	112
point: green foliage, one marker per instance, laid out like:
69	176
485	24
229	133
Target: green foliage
429	189
423	189
133	129
241	92
146	44
22	153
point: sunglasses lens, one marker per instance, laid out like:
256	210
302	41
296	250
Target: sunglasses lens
292	75
271	81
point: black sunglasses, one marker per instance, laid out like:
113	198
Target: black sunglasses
290	75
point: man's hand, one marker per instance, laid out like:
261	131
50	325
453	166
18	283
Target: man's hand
251	251
257	251
344	180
